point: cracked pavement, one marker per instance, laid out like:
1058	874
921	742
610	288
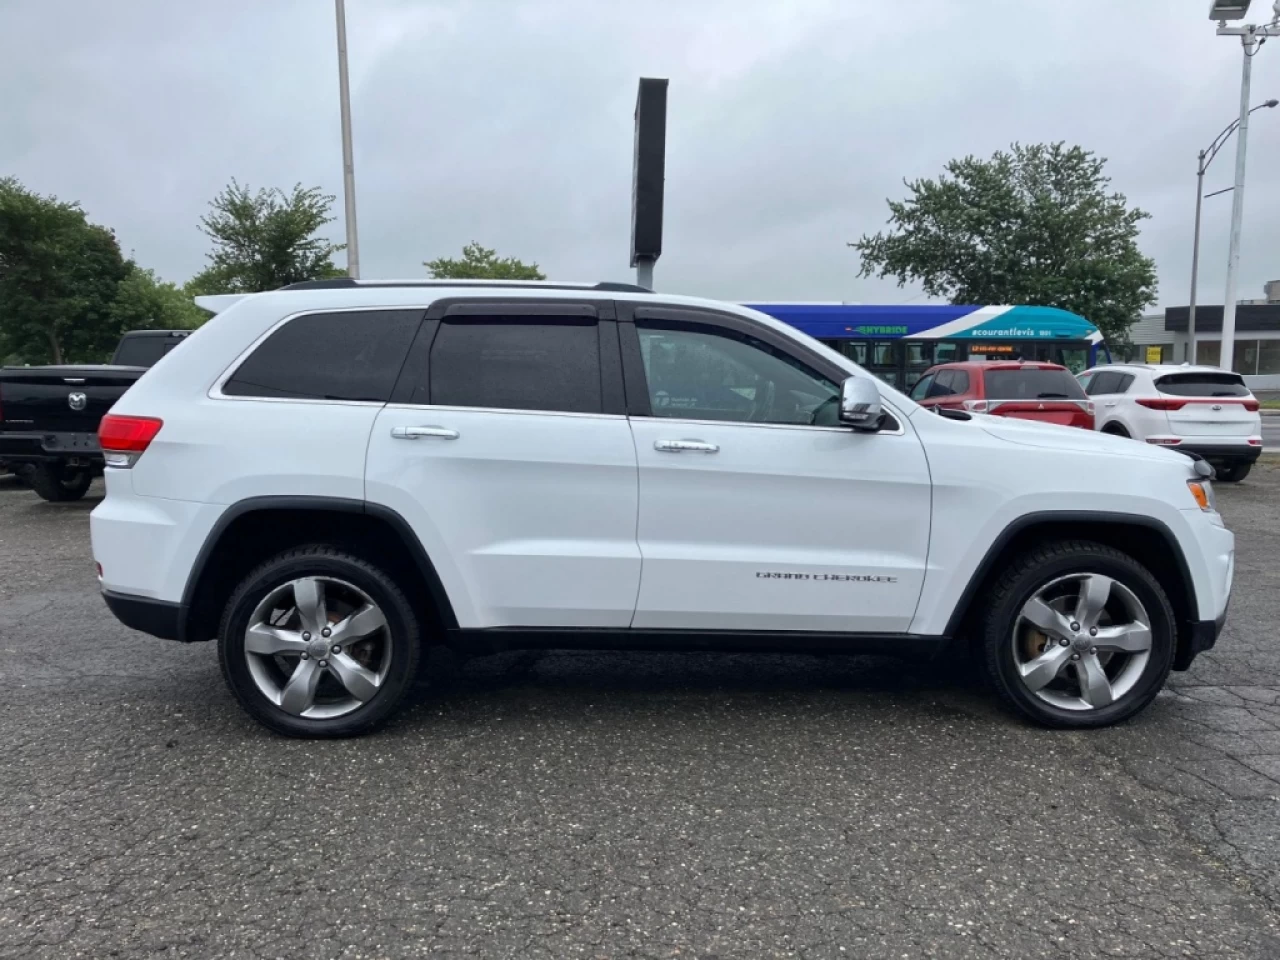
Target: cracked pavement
614	805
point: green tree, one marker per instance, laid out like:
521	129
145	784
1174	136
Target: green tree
481	263
1037	225
58	279
145	302
265	240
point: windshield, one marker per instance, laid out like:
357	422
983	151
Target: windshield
1203	385
1030	383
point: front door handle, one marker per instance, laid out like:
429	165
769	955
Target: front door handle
685	446
417	433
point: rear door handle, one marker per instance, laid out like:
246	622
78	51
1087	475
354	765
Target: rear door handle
417	433
1110	403
685	446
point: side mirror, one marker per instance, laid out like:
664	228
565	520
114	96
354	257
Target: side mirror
860	404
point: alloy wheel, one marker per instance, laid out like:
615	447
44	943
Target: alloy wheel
318	647
1081	642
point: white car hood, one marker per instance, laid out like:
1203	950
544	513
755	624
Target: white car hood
1035	434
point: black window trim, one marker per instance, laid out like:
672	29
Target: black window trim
637	386
216	392
415	375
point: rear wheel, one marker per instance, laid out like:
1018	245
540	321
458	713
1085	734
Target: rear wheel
58	483
1115	430
1078	635
319	643
1232	472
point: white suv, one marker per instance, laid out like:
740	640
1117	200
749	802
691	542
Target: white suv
1207	411
328	477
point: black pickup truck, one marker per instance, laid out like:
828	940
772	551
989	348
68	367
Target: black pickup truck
49	415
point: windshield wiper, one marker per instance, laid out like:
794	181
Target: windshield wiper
1054	396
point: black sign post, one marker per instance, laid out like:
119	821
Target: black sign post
648	178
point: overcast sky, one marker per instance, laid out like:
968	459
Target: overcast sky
510	122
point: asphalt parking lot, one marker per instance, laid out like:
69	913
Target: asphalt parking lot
582	805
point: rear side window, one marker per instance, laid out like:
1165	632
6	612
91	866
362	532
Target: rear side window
353	355
1030	383
510	363
1203	385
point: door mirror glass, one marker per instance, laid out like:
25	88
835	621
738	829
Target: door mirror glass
860	404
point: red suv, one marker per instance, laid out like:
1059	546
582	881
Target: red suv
1028	391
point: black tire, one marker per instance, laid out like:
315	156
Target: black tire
403	634
1021	579
1115	430
1232	472
59	483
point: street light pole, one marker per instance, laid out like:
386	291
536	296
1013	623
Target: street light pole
1226	357
1251	39
1195	261
1204	158
348	163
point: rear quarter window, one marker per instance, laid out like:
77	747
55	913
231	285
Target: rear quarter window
1202	385
1032	384
351	355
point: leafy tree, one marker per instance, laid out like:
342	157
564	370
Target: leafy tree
265	240
145	302
58	279
1036	225
481	263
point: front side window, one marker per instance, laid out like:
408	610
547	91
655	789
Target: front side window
352	355
921	389
1103	383
943	384
517	363
705	373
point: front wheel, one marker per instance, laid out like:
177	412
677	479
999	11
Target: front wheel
319	643
1232	472
1078	635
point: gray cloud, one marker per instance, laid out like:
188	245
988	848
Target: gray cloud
509	122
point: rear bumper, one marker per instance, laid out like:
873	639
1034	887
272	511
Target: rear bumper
156	617
1221	452
44	447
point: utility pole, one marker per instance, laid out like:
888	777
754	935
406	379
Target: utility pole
348	164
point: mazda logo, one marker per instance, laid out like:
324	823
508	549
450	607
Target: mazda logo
77	400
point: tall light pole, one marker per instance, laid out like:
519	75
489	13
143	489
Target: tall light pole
1251	39
348	164
1205	158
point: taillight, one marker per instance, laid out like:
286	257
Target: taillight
976	406
1255	441
125	439
1252	405
1161	403
1165	441
1089	407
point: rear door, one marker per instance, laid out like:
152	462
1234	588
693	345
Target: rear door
758	510
1209	404
506	448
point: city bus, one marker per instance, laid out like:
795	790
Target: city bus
898	343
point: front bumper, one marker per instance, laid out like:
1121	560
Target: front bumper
1201	635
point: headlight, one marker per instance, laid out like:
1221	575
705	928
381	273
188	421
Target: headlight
1202	490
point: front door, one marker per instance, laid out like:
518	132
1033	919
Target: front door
507	450
758	510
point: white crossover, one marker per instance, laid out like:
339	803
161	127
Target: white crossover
330	477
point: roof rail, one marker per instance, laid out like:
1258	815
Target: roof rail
347	283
